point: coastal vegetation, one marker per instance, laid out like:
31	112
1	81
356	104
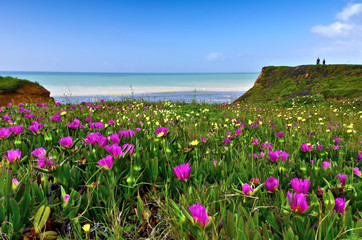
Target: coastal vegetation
163	170
328	81
8	83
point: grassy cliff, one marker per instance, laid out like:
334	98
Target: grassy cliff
330	81
8	84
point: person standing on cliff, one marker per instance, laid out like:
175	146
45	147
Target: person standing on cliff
318	61
324	61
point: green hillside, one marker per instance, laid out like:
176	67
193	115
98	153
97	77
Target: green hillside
330	81
8	84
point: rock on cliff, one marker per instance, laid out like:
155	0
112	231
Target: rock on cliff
27	93
331	81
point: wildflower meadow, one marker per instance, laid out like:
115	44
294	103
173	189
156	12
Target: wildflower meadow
165	170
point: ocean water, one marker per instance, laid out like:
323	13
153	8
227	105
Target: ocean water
201	87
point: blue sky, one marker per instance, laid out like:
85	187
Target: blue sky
176	36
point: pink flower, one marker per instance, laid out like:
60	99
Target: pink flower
126	133
106	162
183	171
35	127
162	131
227	140
271	184
267	146
337	140
319	147
4	133
274	155
39	152
298	202
114	138
16	129
13	155
43	161
66	142
247	189
300	186
357	171
114	150
306	147
204	139
66	198
74	124
128	148
340	204
255	141
342	178
284	156
279	134
199	213
360	156
326	164
56	118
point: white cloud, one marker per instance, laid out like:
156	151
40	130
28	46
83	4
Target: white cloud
335	30
348	25
350	11
215	56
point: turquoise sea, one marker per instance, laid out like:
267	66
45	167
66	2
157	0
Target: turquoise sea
206	87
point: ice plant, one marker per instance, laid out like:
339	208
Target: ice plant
255	141
114	150
271	184
284	156
13	155
114	138
326	164
183	171
15	184
35	127
306	147
298	202
319	147
300	186
106	162
247	189
340	204
66	142
342	178
337	140
74	124
162	131
199	214
279	134
357	171
274	155
128	148
126	133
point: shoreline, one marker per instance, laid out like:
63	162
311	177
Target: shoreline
205	96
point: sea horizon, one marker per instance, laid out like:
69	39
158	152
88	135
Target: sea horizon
79	86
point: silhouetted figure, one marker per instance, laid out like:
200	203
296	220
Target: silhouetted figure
324	61
318	61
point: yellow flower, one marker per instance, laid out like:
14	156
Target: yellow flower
63	113
161	134
86	228
194	143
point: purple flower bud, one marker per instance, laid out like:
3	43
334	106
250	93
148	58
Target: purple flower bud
298	202
271	184
183	171
340	204
247	189
199	213
279	134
